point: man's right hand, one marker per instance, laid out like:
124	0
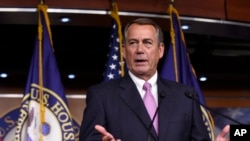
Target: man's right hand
223	134
106	136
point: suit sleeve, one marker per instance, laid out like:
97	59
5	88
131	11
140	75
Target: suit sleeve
92	115
199	129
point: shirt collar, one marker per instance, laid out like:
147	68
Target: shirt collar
139	82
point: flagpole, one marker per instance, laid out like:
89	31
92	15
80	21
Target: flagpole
40	72
178	36
43	91
41	1
115	15
172	2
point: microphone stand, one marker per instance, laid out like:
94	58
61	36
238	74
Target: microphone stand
191	96
161	96
151	123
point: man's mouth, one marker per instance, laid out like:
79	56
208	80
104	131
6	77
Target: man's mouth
139	61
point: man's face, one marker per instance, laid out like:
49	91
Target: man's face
142	50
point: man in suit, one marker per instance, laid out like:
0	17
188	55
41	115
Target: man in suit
116	110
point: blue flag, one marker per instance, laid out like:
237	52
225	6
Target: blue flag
177	66
115	63
44	113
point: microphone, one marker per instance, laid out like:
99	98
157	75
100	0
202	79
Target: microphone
161	96
193	97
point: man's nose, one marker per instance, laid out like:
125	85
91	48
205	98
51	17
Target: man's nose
140	47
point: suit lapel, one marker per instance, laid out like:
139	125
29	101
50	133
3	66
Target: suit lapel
166	104
132	98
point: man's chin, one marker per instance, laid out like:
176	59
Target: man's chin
141	71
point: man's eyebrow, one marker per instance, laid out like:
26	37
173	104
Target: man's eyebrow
147	39
132	39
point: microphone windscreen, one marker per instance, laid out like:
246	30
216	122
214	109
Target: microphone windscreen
189	94
162	94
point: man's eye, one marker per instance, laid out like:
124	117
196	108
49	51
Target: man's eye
148	43
132	43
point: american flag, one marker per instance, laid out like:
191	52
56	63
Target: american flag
239	114
113	66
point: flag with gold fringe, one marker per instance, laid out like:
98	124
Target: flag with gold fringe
44	113
177	65
115	64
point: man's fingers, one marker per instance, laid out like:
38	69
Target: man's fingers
225	131
104	132
101	129
106	136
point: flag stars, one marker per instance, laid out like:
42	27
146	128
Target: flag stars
116	48
112	66
111	76
117	39
110	45
121	63
235	112
115	57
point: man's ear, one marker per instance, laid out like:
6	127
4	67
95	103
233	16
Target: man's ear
161	50
123	51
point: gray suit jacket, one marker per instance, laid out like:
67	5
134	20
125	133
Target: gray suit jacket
117	106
